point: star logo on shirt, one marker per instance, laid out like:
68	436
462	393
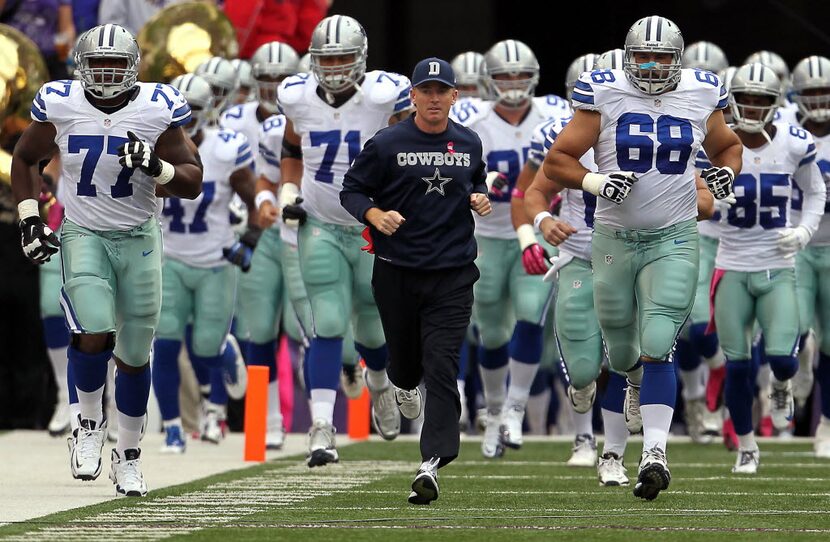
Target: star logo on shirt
436	182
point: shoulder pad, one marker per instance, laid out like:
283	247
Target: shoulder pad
232	113
293	89
274	123
387	88
165	97
801	142
468	111
52	100
552	105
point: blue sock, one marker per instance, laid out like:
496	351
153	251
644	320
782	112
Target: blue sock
265	355
306	378
614	396
55	332
375	358
823	377
324	363
493	359
783	367
686	356
70	383
218	392
166	377
132	390
89	370
526	344
463	360
739	394
707	345
659	386
212	367
541	381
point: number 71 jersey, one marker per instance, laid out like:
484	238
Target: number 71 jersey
101	194
655	136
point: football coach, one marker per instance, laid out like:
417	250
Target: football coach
413	185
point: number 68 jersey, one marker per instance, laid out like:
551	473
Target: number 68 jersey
101	194
655	136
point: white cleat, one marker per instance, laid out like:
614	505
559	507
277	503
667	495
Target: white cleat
803	379
491	444
321	445
631	409
747	461
235	375
386	418
821	446
781	404
653	476
695	421
85	449
584	452
126	474
511	426
409	402
351	380
611	470
59	424
582	400
212	430
275	437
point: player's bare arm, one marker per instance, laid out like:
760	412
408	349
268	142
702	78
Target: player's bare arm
244	183
523	182
291	166
37	143
266	196
705	199
722	145
536	207
174	147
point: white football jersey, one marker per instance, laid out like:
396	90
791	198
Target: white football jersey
822	236
786	113
268	164
100	194
242	118
332	137
505	148
577	206
196	231
749	238
655	136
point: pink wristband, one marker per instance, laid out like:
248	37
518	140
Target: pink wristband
516	193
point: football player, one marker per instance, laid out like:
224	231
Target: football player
786	110
245	88
121	145
467	68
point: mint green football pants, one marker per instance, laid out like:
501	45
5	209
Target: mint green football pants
50	288
812	266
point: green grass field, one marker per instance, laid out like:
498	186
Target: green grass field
527	494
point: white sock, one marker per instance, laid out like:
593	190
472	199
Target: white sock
129	432
582	422
656	424
536	412
521	378
175	422
274	412
806	356
694	383
322	404
717	361
59	360
91	404
461	389
747	442
377	380
74	412
494	382
635	376
616	432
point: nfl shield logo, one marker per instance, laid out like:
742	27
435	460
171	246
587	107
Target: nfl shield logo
658	103
107	123
577	284
609	259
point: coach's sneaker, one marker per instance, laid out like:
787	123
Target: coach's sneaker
747	461
351	380
584	452
386	418
781	404
491	444
409	402
425	485
582	400
611	470
126	473
174	442
59	424
235	373
85	449
511	426
212	430
821	446
631	409
653	476
321	446
695	416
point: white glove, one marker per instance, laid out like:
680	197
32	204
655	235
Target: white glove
722	206
558	262
719	181
793	239
613	186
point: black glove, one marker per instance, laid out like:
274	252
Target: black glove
617	185
241	252
38	240
719	181
138	154
500	186
294	213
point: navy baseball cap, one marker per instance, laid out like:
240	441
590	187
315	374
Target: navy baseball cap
433	69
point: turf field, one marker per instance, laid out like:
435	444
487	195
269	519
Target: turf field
528	494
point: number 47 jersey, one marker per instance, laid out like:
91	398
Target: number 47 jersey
655	136
101	194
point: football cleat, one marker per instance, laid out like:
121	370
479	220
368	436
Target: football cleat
730	438
409	402
584	452
653	476
510	429
59	424
631	409
821	446
351	380
321	445
174	442
235	374
611	470
582	400
212	430
85	447
782	406
386	418
747	461
126	474
481	420
696	412
275	437
425	485
491	444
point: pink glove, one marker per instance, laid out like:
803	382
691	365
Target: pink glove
534	260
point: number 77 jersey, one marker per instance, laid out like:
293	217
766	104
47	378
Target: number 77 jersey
101	194
655	136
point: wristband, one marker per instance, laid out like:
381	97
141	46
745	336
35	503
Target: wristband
28	208
167	172
526	236
518	194
262	197
537	220
592	182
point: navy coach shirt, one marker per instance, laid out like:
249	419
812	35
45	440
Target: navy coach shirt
428	179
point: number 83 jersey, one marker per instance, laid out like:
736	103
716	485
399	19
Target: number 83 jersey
655	136
103	195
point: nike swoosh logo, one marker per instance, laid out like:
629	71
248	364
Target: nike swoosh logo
680	241
147	252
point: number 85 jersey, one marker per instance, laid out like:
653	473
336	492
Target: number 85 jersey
101	194
655	136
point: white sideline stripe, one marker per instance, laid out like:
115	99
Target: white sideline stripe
727	463
582	493
589	476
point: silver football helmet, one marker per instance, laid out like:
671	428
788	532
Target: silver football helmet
338	36
776	63
199	96
811	87
611	60
514	58
243	72
582	64
726	76
272	62
107	41
758	80
304	66
221	75
467	68
705	55
653	34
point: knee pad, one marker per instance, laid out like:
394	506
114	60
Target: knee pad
89	304
493	324
488	290
368	330
657	336
783	367
328	309
686	356
706	344
135	335
208	342
582	372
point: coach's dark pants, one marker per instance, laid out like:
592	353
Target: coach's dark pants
425	315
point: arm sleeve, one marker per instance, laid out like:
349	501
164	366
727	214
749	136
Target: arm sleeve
809	179
361	182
